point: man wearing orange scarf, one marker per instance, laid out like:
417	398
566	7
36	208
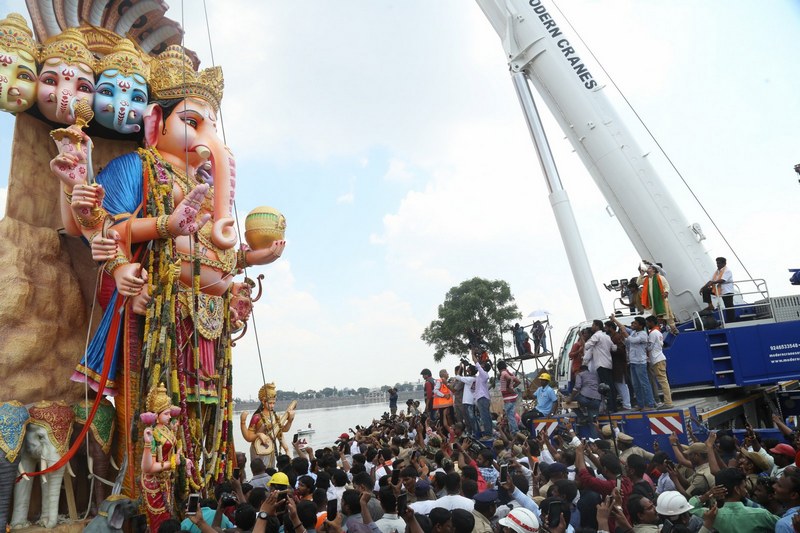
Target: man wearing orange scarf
655	294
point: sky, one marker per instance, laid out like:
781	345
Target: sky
390	136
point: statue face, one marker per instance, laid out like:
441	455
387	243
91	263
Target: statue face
191	124
120	101
164	417
17	80
61	84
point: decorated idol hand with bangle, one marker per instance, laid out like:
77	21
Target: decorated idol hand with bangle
130	278
184	219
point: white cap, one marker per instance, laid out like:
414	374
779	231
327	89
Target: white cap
521	520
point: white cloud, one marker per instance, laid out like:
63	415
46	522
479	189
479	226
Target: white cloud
346	198
398	172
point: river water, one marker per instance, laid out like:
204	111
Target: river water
328	423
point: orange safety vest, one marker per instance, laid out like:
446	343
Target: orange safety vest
440	402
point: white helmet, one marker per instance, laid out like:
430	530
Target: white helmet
521	520
672	503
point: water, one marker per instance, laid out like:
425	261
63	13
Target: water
328	424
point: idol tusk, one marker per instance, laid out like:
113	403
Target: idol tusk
203	151
23	473
69	470
51	97
114	463
90	464
108	108
42	464
13	91
132	115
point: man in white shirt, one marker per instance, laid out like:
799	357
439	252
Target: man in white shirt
468	399
657	362
597	356
721	285
390	522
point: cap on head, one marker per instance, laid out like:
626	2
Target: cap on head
487	496
544	376
672	503
521	520
784	449
625	438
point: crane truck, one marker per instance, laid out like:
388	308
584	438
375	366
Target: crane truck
739	367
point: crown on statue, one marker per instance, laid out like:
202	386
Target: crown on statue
267	392
16	35
173	76
69	46
157	399
125	58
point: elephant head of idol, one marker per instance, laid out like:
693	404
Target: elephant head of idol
66	76
17	65
120	98
182	124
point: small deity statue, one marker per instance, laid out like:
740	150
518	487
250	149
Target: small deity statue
161	456
266	429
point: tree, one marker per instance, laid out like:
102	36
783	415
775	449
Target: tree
477	304
362	391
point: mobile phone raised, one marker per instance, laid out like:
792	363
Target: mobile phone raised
332	505
503	473
554	514
192	504
402	504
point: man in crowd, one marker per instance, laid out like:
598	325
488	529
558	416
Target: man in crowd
597	356
657	361
508	382
429	384
545	397
636	348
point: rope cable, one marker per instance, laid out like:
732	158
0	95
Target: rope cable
235	210
658	144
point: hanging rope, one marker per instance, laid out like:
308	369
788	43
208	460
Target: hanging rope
235	210
658	144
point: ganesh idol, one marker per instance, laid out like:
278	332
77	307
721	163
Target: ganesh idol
66	76
17	65
121	91
167	241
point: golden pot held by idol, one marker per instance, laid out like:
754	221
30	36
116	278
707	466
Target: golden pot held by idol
263	226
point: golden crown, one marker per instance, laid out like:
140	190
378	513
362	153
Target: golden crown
15	35
267	392
125	58
157	399
70	46
173	76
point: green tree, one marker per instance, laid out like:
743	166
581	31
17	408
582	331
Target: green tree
477	304
362	391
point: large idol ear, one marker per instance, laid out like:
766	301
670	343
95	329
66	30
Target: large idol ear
152	124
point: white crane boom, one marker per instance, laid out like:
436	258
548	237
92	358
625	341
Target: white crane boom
536	45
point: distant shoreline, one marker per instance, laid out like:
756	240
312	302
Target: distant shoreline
323	403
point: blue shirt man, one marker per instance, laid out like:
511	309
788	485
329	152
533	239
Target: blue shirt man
545	395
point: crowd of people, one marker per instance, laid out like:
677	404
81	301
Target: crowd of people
422	474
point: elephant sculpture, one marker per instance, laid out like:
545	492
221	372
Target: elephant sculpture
46	440
66	76
14	419
121	92
17	65
98	449
113	512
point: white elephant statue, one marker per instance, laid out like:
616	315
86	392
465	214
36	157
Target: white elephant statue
46	440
